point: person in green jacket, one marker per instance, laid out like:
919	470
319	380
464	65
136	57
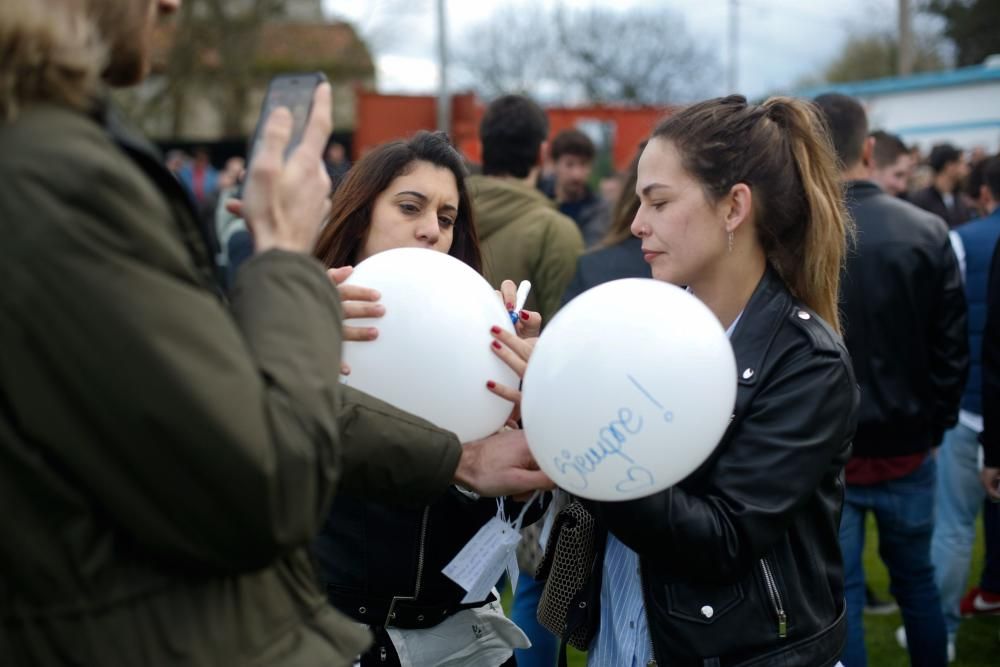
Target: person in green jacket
523	236
166	457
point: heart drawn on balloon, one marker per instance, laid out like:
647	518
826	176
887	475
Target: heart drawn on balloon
638	478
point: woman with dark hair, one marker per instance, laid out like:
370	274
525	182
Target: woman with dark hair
365	203
381	564
739	564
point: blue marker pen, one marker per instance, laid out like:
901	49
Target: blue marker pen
520	300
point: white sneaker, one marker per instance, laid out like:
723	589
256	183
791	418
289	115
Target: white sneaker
901	640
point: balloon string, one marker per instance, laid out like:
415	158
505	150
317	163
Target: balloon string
516	525
524	510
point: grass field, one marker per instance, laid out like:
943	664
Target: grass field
978	644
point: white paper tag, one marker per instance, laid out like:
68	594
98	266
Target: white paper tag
513	570
478	566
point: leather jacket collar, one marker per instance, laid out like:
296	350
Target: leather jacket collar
761	319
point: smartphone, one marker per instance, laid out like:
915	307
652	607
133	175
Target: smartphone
295	93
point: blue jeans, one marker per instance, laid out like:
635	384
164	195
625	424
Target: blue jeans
956	506
904	513
544	645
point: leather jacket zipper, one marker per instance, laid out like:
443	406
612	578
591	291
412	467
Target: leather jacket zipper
772	591
420	552
649	627
391	615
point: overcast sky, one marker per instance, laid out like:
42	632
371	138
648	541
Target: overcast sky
780	41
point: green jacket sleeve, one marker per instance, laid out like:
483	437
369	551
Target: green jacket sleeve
390	455
558	253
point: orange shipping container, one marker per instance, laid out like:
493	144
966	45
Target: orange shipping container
383	118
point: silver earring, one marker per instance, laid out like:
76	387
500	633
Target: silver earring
730	241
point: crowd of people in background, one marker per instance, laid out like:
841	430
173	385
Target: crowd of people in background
192	484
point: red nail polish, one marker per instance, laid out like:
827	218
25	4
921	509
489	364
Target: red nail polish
495	329
491	384
525	315
510	306
496	345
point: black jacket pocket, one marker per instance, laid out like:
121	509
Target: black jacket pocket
702	604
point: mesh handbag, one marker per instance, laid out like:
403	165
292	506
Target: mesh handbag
565	569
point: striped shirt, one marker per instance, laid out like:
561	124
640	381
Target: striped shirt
623	635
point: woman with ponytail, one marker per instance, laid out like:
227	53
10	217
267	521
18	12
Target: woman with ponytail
739	564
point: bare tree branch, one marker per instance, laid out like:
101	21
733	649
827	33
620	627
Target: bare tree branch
637	56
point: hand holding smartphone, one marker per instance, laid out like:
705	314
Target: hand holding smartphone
295	93
287	189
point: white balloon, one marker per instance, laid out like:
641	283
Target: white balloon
628	390
432	357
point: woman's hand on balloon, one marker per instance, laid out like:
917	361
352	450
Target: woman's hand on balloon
514	352
529	324
357	302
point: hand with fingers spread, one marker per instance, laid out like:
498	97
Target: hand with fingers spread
515	352
284	200
358	303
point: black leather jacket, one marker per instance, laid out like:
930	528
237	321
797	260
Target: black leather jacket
370	554
740	563
904	324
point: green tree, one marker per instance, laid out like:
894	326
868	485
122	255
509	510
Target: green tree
972	25
875	55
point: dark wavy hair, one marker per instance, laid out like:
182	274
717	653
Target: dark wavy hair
351	214
512	131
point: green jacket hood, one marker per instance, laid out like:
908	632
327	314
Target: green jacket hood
500	201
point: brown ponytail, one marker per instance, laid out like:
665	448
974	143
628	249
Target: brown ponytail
781	150
830	228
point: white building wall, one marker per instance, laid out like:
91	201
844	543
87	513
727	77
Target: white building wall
966	115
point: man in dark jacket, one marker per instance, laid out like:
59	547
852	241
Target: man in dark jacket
572	153
905	328
943	196
165	459
892	163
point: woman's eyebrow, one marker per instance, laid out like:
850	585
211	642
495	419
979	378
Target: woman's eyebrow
419	195
422	197
653	186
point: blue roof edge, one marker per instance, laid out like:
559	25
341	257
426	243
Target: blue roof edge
900	84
